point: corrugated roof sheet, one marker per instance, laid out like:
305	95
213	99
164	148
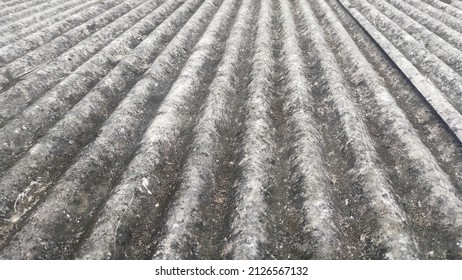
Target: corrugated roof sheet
229	129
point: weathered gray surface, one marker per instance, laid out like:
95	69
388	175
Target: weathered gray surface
243	129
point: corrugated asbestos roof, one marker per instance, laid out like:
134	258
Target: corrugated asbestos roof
210	129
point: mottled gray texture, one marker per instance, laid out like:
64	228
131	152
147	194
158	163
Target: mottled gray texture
230	129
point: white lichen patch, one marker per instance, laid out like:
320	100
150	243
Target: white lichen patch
145	184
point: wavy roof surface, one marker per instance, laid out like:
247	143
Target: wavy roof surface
231	129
